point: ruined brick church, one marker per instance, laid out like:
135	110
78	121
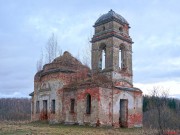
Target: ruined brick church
66	91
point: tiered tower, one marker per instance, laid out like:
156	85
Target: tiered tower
112	47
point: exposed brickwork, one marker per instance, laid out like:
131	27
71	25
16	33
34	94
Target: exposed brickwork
97	97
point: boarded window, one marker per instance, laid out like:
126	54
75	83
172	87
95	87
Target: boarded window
53	104
88	104
37	107
72	105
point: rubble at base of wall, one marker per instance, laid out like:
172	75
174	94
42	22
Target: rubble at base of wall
54	122
138	126
70	123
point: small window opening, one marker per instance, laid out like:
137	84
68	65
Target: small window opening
120	29
88	106
53	108
37	107
104	28
72	105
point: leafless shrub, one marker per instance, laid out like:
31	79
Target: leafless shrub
159	115
52	49
86	54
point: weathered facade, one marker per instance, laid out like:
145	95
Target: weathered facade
66	91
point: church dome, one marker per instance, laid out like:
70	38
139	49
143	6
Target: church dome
110	16
65	62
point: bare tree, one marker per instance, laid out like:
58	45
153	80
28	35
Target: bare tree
159	115
52	49
86	56
40	62
159	101
15	109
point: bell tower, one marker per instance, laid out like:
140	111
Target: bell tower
112	47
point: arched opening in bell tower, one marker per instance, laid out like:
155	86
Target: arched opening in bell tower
122	57
102	59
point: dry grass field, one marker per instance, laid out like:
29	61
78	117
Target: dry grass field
43	128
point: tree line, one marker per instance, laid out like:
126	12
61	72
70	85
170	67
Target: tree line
15	109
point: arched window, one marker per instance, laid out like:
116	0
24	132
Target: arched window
88	104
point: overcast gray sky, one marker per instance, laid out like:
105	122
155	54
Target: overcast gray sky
26	25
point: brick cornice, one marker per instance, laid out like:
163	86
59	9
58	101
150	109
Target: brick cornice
111	34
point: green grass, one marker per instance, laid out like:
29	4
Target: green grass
43	128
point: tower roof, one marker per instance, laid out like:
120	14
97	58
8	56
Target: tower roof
110	16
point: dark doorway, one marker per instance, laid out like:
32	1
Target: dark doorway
123	112
45	116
